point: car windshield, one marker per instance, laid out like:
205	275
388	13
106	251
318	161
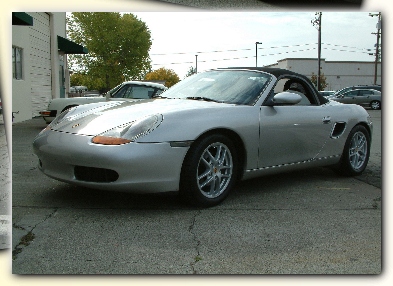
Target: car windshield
227	86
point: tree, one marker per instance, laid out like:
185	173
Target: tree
118	46
191	71
85	80
322	81
167	75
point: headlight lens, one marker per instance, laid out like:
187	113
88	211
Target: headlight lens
129	132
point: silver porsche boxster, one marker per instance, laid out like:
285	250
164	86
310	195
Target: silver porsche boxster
204	134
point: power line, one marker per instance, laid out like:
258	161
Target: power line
259	48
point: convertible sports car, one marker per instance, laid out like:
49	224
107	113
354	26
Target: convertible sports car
205	133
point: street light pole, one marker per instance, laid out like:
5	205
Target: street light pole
256	53
196	63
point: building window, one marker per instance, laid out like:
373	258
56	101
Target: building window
17	63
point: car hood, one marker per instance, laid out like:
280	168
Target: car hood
93	119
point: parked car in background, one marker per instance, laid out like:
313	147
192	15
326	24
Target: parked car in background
365	97
345	89
129	90
79	88
327	93
204	134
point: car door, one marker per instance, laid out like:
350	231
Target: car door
350	97
292	134
364	97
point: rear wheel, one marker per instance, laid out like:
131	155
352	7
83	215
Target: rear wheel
209	171
356	152
375	105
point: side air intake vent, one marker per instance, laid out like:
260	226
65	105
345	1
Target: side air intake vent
338	129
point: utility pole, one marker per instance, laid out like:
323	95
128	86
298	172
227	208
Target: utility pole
196	63
256	53
317	23
377	51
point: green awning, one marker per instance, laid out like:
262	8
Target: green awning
69	47
21	18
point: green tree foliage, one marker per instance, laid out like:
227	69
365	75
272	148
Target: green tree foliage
118	47
322	79
168	75
92	83
191	71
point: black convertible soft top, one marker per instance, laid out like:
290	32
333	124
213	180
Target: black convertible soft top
277	72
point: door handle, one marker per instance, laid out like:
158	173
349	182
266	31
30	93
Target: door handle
326	120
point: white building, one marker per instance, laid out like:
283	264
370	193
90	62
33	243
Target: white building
39	61
339	74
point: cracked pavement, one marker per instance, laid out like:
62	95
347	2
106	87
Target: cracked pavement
305	222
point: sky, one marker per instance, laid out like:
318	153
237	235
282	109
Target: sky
222	39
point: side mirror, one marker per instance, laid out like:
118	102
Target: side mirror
285	98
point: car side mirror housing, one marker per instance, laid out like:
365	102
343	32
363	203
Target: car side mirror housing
285	98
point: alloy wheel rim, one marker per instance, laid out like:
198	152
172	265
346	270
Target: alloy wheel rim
358	151
214	170
375	105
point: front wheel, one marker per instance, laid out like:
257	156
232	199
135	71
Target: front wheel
209	171
356	152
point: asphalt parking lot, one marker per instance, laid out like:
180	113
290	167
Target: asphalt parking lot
305	222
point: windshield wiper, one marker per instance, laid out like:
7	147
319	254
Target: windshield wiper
203	98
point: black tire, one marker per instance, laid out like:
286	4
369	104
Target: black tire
209	171
356	152
375	104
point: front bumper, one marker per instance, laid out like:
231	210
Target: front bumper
139	167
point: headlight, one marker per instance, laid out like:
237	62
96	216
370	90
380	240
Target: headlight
129	132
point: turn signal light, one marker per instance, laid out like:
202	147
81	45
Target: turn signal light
104	140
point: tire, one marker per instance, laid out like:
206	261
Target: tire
209	171
375	105
356	152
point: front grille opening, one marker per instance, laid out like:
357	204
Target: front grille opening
96	175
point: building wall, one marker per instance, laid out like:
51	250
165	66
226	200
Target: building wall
21	88
338	74
40	81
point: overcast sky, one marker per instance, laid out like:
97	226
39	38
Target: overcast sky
223	39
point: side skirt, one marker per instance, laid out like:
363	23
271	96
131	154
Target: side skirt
317	162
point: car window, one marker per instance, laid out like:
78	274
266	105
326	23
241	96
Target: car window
296	86
135	92
140	92
365	92
351	93
122	91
